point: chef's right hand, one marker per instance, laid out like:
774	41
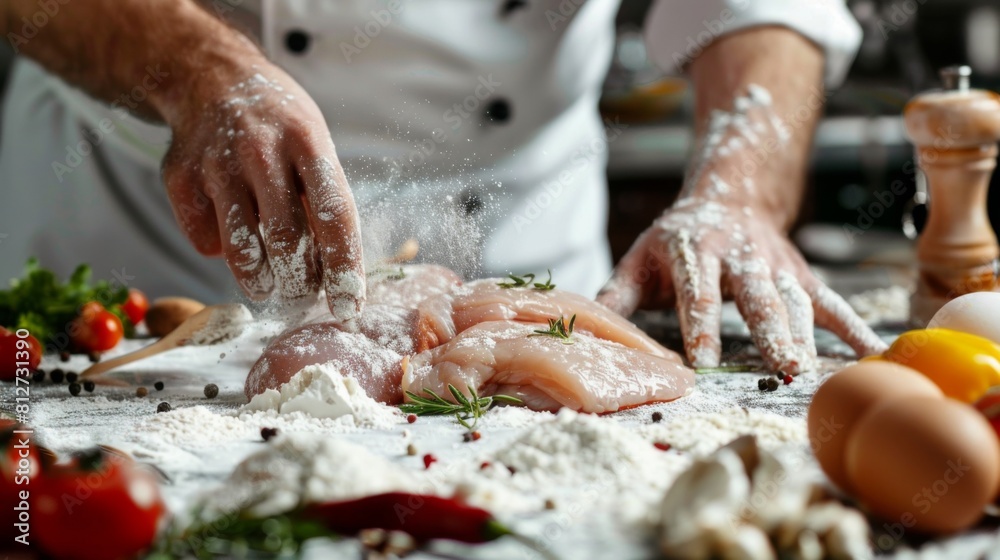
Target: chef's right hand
253	175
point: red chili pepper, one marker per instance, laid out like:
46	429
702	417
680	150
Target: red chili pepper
422	517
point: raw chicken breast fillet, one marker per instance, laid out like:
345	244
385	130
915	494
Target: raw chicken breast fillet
425	323
591	375
484	300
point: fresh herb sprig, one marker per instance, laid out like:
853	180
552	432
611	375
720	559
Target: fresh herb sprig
388	274
237	535
527	281
516	281
45	307
546	286
558	329
464	408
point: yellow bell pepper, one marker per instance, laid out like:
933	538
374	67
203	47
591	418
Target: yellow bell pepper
963	365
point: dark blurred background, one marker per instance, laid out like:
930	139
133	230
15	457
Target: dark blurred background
860	147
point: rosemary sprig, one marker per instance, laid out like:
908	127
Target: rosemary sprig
464	408
558	329
548	285
527	281
522	281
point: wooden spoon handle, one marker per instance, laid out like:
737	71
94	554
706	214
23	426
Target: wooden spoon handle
161	345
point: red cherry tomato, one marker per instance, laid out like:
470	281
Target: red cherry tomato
18	353
101	506
96	330
91	308
135	306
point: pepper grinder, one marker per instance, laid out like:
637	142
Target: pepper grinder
955	133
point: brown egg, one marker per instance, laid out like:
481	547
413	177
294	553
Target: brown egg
166	314
924	463
846	396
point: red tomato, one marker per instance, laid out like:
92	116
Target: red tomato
91	308
135	306
96	330
18	353
20	464
99	507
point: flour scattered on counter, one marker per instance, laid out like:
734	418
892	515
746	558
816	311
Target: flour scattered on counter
193	426
594	457
702	433
320	391
882	305
513	417
305	468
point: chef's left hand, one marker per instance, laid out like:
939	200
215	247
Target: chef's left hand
756	109
705	249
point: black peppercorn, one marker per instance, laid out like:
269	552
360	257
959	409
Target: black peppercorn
88	386
94	356
762	383
57	375
163	407
772	384
71	376
657	416
74	389
64	356
268	433
211	390
158	385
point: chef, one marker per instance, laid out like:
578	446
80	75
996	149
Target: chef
143	135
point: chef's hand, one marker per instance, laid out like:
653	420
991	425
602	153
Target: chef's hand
726	235
705	249
251	173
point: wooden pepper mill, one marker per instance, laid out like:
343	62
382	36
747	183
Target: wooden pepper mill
955	132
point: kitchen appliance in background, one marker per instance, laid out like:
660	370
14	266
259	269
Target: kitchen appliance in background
864	178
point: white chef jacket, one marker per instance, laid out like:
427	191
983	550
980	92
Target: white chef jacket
486	105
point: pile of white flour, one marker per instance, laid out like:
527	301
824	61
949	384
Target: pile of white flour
321	392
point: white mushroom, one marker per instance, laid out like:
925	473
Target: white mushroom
700	509
742	502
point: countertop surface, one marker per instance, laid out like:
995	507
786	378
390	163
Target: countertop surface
116	417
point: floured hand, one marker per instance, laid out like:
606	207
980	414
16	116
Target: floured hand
252	174
724	239
702	251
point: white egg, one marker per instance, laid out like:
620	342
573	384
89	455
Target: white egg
976	313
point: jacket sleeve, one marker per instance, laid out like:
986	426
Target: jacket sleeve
678	30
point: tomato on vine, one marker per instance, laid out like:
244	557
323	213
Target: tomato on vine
135	306
96	329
